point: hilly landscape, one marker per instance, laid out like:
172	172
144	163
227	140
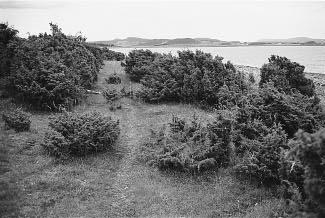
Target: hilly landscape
293	40
141	42
204	42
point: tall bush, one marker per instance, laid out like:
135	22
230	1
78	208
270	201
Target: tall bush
270	105
7	35
138	63
17	119
51	70
111	55
286	75
194	77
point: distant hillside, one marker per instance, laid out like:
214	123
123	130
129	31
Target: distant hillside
298	40
141	42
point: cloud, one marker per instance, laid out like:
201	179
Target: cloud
31	4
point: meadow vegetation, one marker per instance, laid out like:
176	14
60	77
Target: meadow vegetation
268	135
260	132
17	119
74	134
189	147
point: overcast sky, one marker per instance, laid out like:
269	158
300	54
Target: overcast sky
226	20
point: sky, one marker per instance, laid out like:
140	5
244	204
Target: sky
225	20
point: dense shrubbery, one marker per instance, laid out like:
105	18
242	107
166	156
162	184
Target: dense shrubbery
111	95
113	79
138	63
112	55
308	151
251	78
286	76
190	147
293	112
192	77
263	119
262	160
80	134
17	120
52	70
263	122
7	35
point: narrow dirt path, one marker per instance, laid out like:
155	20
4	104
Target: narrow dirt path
122	204
8	195
122	201
137	190
119	195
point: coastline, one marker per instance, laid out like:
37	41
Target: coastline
207	45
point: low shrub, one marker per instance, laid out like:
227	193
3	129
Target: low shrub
246	136
113	79
76	134
309	151
262	161
17	120
189	147
111	95
113	106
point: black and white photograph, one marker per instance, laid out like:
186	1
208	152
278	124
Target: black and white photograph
162	108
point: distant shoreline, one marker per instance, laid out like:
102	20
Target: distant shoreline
256	70
202	46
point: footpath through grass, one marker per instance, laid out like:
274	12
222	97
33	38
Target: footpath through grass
115	184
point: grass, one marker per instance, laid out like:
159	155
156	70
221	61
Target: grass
115	184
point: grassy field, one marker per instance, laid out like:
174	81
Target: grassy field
115	183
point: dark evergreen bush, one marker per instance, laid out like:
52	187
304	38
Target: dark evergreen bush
309	151
110	55
17	120
262	162
51	71
286	75
111	95
194	77
7	35
113	79
76	134
190	147
138	63
98	54
293	112
251	78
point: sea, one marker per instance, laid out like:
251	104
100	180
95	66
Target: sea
312	57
